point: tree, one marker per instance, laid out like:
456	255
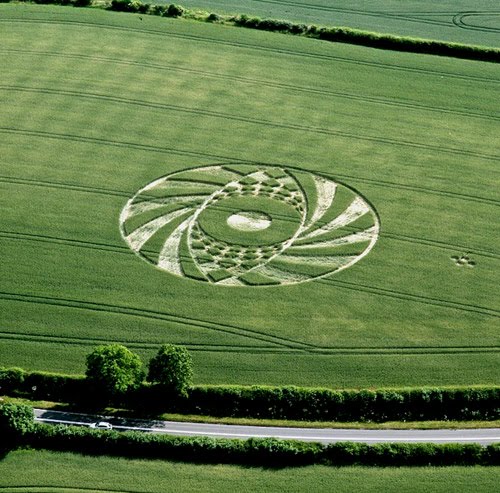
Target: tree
113	369
15	421
172	368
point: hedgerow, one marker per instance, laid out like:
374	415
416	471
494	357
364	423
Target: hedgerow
344	405
42	385
269	452
481	403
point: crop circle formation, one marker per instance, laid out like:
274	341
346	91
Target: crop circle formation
249	225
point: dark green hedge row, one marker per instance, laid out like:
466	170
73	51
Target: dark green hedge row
274	402
42	385
269	452
345	405
413	45
373	40
136	6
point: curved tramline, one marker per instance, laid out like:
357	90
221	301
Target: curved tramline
402	103
152	314
294	211
475	20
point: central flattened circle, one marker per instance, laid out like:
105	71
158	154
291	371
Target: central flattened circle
249	221
279	221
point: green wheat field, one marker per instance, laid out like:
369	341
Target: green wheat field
96	105
30	471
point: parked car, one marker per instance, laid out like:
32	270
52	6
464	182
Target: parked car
102	425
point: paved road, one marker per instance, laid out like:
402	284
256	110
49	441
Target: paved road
482	436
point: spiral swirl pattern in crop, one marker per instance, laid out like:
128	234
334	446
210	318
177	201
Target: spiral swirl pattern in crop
248	225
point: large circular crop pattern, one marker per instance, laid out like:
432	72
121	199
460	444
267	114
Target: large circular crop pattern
248	225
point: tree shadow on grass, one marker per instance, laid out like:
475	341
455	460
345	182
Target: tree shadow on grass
6	450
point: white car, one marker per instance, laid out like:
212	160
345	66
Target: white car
101	425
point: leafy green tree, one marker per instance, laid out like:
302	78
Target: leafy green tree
174	11
15	421
172	368
113	369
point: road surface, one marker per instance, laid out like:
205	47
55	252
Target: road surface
483	436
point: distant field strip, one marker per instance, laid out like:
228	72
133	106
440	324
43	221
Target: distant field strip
370	13
258	48
456	18
254	81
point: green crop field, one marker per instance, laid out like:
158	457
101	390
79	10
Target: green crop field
32	471
131	148
452	20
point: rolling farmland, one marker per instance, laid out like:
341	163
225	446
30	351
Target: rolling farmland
96	106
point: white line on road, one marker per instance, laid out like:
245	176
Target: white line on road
261	434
